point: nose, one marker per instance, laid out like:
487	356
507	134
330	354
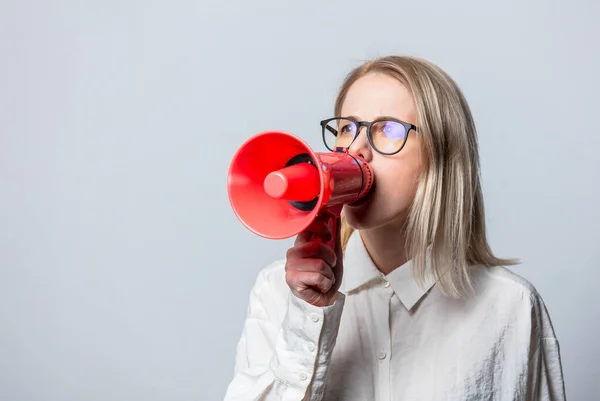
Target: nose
361	147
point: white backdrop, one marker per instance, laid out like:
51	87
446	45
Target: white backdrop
123	271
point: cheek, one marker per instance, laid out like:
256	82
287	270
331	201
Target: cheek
397	181
400	185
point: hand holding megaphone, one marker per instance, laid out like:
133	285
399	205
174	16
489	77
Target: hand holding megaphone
314	270
279	187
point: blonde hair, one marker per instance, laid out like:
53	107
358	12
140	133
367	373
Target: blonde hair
445	227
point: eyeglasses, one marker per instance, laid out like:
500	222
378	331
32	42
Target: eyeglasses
386	135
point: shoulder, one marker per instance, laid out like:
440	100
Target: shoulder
504	287
504	280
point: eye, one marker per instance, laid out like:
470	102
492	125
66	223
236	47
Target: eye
348	128
394	130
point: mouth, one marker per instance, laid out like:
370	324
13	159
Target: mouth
365	199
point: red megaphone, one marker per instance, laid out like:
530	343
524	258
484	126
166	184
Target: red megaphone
278	185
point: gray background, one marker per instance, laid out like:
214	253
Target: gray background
124	274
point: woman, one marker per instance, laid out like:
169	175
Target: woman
418	307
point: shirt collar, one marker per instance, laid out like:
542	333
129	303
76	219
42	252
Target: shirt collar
360	270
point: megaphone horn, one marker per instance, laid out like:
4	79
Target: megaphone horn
278	185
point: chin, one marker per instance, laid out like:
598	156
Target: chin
363	218
368	215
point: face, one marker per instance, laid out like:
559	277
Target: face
396	176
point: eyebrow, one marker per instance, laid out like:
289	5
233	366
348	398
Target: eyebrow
377	118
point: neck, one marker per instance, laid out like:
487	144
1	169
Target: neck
386	246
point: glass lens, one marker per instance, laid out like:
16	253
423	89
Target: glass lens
339	133
388	136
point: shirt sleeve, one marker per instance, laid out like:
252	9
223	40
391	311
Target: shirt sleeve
546	381
283	360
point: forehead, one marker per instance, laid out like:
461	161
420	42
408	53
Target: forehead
376	95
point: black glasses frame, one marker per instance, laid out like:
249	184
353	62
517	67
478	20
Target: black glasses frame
368	125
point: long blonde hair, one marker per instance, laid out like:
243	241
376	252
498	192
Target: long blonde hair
446	222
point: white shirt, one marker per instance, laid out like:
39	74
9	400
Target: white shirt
386	338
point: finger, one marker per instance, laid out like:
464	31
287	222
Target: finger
320	229
317	229
308	281
302	238
315	266
316	250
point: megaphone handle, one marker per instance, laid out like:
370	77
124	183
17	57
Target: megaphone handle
333	214
332	225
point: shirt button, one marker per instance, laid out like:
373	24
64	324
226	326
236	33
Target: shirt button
314	318
386	284
303	376
311	347
381	355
